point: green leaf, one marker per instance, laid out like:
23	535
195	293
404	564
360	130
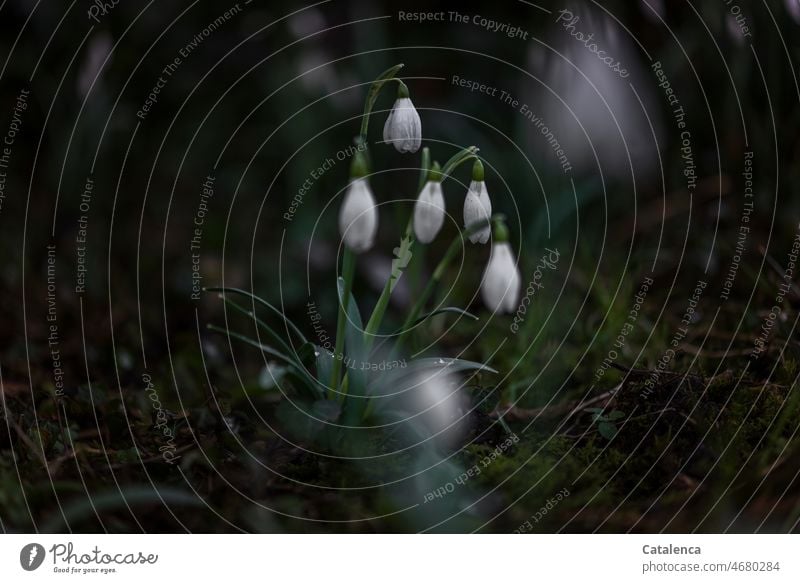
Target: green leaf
425	365
354	327
296	369
307	355
324	365
312	355
614	415
355	354
447	310
262	347
274	337
607	430
255	298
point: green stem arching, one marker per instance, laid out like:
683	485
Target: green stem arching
458	159
372	95
348	270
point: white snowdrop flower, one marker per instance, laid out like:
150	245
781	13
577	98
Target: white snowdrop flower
358	216
793	8
403	128
477	206
501	280
429	208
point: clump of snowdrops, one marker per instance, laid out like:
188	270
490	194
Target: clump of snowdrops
424	392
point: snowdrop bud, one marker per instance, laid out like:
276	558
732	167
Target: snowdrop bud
358	216
403	128
429	208
477	206
501	280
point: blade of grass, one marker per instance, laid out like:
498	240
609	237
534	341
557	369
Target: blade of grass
255	298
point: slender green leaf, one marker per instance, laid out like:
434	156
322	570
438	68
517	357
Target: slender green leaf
296	369
324	364
274	337
262	347
255	298
355	354
396	376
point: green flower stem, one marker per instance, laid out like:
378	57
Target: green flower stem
348	269
458	159
383	300
438	273
424	169
372	95
378	312
459	242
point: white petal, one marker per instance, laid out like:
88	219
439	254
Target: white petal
387	128
514	286
403	127
501	280
429	212
477	207
358	217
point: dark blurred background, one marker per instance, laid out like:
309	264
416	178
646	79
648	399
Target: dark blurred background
273	90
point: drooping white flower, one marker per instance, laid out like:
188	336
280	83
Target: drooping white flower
358	216
477	206
429	211
403	128
501	280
